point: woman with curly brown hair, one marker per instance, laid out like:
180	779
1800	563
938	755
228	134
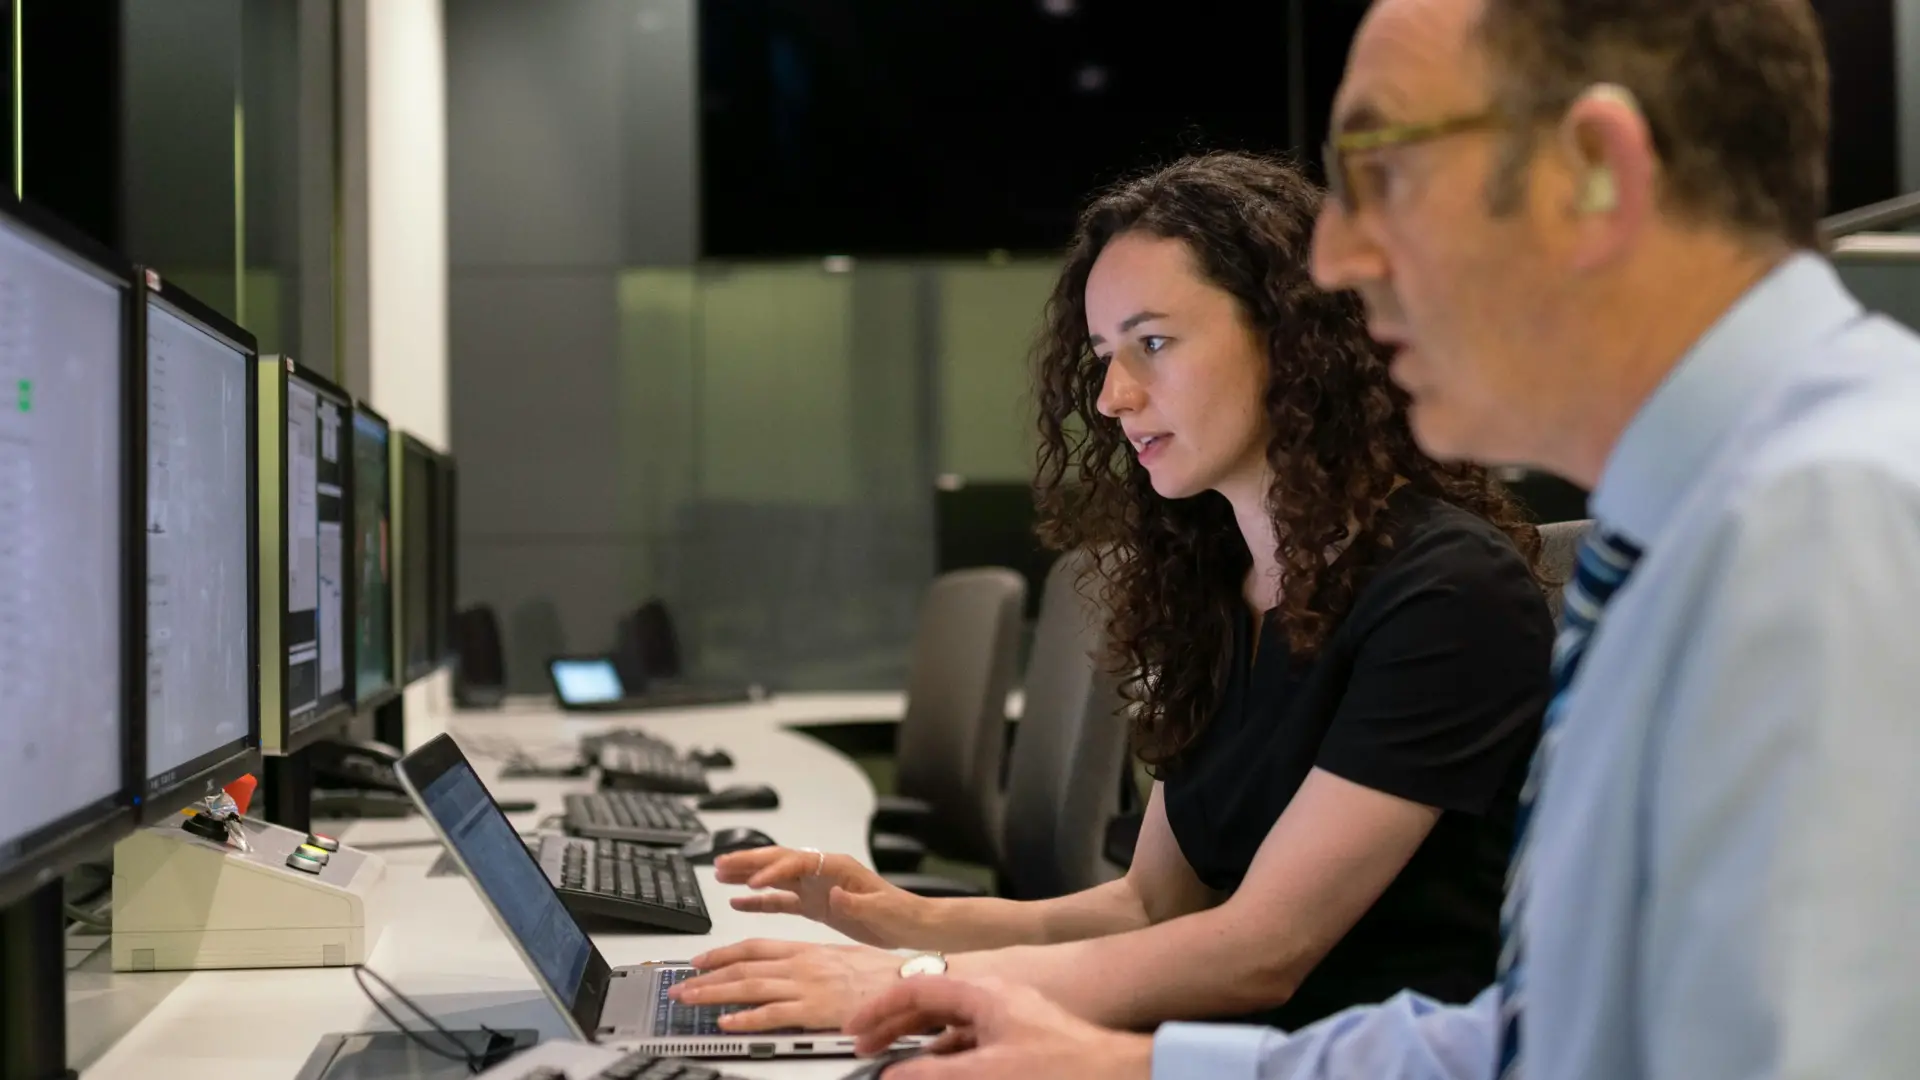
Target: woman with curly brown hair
1339	654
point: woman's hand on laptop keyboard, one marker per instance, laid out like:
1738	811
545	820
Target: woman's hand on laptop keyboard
814	987
832	889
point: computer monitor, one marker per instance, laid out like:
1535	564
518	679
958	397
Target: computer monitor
446	529
306	459
71	625
418	655
202	674
990	523
9	133
372	576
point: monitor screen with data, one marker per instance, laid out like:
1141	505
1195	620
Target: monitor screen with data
317	460
66	715
372	557
201	697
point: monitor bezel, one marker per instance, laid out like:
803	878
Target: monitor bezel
446	518
39	857
195	779
330	721
411	673
9	133
393	688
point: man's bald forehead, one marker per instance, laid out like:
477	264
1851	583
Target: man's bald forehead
1412	58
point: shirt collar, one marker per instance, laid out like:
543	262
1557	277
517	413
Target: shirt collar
1674	435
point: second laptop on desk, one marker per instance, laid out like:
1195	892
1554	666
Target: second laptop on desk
594	684
627	1006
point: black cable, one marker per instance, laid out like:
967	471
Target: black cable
475	1063
80	895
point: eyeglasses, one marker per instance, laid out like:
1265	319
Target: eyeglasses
1338	149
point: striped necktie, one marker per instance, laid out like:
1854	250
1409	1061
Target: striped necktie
1603	566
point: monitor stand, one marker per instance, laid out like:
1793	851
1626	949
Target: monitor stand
33	983
287	791
390	722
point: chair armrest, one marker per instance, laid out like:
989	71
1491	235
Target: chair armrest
1123	833
900	814
934	886
894	853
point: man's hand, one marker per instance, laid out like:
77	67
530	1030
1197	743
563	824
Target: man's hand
995	1029
816	987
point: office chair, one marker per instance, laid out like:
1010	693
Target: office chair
535	636
951	740
646	648
1069	762
1559	551
480	673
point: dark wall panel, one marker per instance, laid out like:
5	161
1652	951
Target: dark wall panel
70	113
571	159
534	397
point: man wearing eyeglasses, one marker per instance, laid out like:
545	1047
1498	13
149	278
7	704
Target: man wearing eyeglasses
1589	228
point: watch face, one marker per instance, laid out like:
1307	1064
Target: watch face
924	965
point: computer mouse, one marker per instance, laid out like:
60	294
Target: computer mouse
742	797
702	850
877	1068
713	759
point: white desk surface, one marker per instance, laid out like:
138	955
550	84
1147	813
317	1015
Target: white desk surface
439	946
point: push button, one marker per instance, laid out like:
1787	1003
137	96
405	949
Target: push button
300	860
313	853
324	843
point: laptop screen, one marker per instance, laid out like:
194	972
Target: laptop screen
504	870
587	682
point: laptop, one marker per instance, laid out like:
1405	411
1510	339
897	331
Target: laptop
594	684
626	1007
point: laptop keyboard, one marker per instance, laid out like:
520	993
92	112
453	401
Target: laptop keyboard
632	815
623	880
631	767
674	1020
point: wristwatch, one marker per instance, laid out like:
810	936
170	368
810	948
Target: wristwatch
926	963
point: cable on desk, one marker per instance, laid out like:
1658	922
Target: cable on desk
81	892
475	1063
88	919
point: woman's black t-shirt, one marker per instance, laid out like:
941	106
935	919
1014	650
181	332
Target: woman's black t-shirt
1432	689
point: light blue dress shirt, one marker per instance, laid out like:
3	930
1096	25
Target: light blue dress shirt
1727	875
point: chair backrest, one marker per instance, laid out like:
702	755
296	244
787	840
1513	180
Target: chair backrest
646	647
1069	752
482	661
535	635
951	740
1559	550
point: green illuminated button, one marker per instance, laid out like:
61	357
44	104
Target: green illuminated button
25	395
300	860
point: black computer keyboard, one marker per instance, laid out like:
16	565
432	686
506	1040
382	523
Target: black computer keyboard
632	815
590	745
632	767
616	879
638	1065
